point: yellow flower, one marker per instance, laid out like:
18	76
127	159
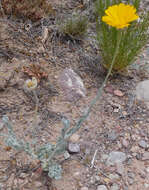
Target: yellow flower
31	84
120	16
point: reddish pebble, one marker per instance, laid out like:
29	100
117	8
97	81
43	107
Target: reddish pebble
118	93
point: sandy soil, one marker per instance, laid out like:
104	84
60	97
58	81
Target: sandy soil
122	116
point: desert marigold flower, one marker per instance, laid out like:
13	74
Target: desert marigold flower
120	15
31	84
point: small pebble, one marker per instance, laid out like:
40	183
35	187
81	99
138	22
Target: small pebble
84	188
113	176
142	144
66	155
142	174
118	93
102	187
125	143
94	179
145	156
114	187
112	136
97	178
73	148
131	175
116	157
146	185
147	169
125	188
38	184
138	156
104	157
130	181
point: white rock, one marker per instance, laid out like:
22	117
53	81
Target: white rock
142	91
114	176
71	85
102	187
116	157
73	148
66	155
114	187
147	169
142	144
146	185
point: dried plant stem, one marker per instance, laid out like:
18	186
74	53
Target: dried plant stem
99	93
93	159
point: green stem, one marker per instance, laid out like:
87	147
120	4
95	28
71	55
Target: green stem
37	101
99	93
35	113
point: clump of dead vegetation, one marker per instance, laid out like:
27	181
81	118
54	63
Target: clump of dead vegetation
31	9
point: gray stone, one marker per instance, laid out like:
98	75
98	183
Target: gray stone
146	185
102	187
147	169
142	91
104	157
125	143
38	184
23	175
138	156
112	135
130	181
71	85
131	177
116	157
125	188
66	155
142	144
97	178
73	148
94	179
145	156
114	176
114	187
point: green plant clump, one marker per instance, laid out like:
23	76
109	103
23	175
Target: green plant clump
134	37
75	27
46	153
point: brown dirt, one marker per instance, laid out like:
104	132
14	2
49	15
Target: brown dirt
21	48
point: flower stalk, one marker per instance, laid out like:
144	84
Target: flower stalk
99	93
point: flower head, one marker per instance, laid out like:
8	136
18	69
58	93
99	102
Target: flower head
31	84
120	16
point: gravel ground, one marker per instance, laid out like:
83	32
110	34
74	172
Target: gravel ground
111	150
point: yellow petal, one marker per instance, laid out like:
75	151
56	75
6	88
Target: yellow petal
120	16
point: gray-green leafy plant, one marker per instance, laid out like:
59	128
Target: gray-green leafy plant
75	27
134	38
46	153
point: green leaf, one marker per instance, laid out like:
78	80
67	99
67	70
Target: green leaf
55	171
